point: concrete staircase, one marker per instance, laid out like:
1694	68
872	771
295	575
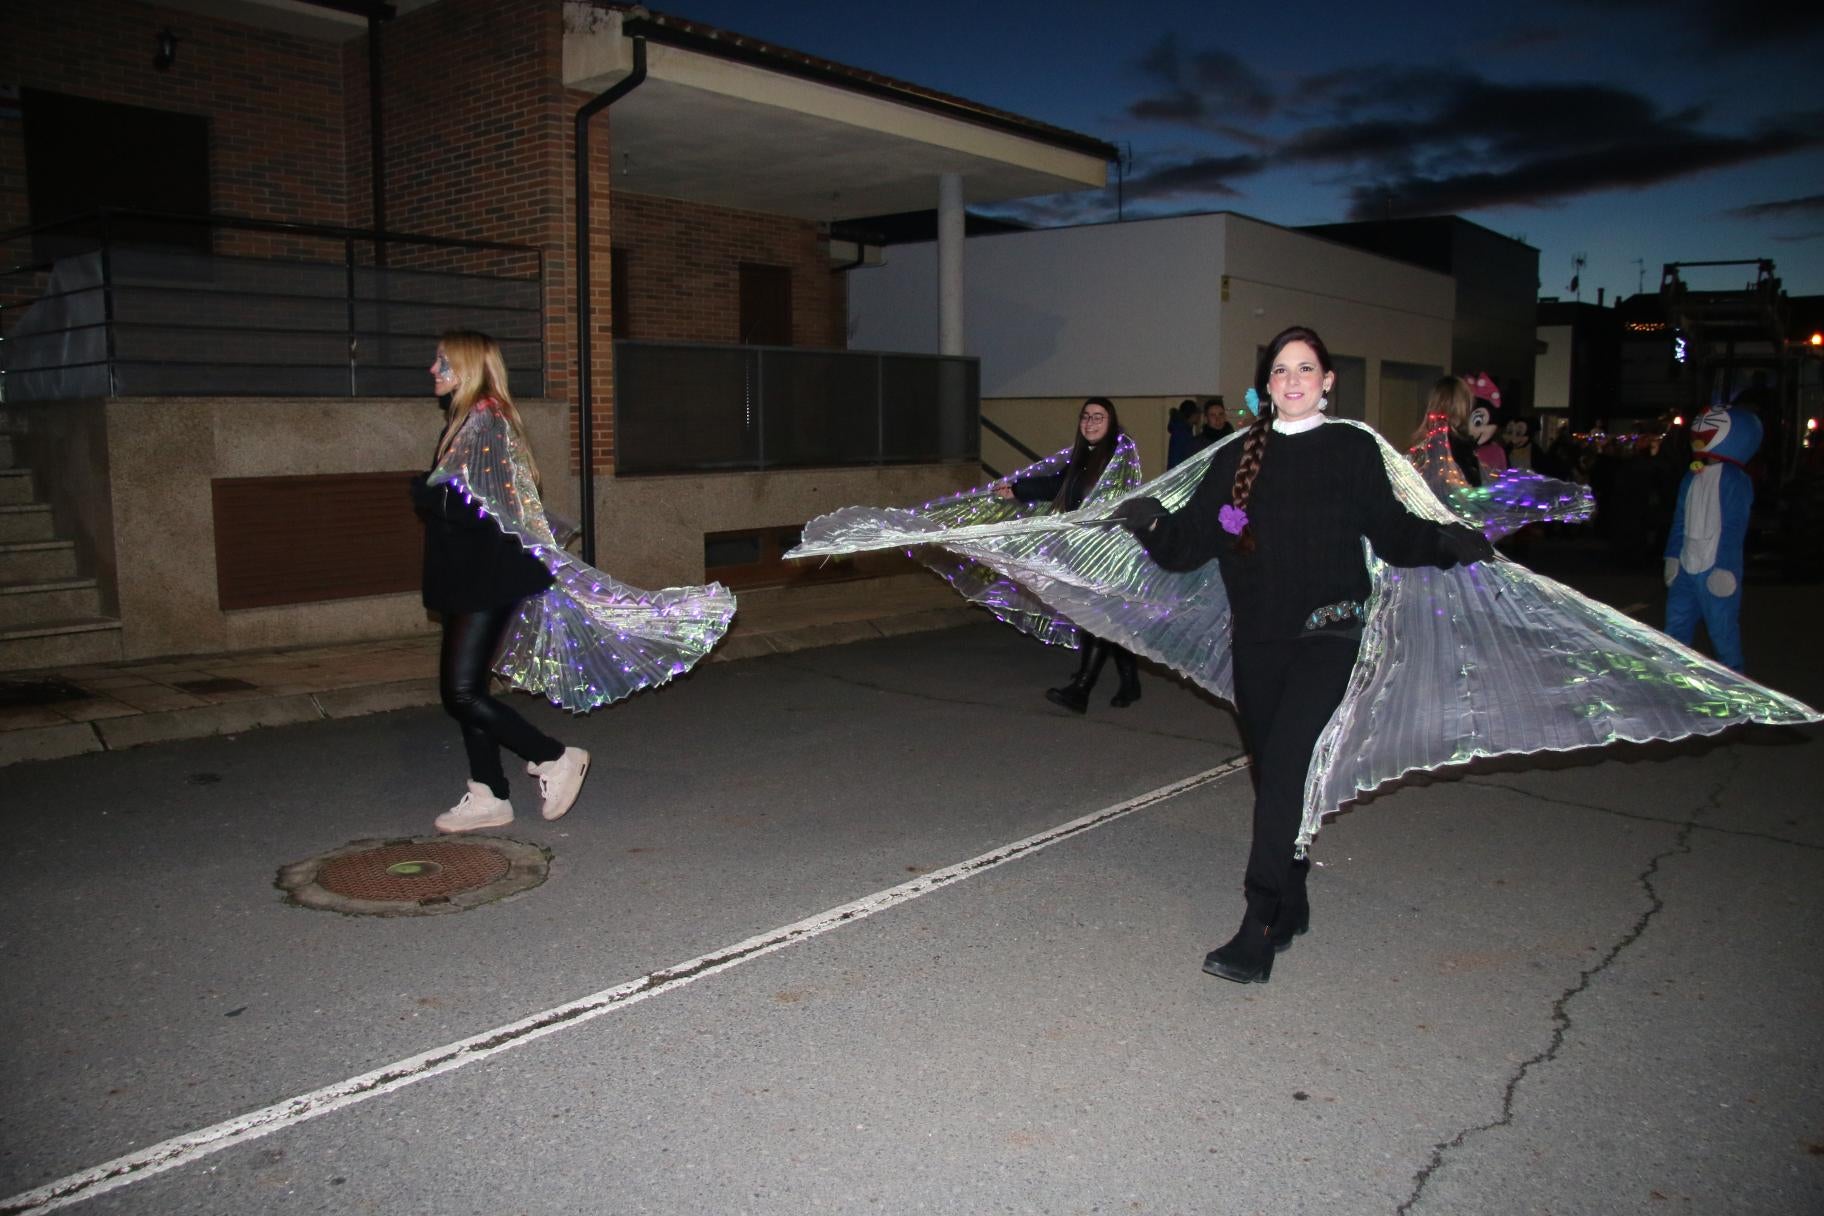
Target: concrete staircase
50	615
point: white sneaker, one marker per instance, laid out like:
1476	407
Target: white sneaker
559	780
479	808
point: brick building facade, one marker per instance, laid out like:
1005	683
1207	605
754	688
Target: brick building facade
477	145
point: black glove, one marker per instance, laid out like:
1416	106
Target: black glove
1460	544
1138	515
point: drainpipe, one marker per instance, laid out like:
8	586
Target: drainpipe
584	397
376	140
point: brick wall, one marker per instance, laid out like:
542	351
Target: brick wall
684	279
274	101
478	132
477	128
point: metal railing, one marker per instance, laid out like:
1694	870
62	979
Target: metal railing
135	303
695	407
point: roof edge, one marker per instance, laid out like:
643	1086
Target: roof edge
637	21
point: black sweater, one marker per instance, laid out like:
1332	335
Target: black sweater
1076	480
470	564
1316	496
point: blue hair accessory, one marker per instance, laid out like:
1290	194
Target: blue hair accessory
1253	400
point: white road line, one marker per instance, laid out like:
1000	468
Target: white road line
182	1150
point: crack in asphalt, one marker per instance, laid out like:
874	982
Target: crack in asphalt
1635	815
1561	1018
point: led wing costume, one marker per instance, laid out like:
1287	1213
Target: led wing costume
1507	500
1484	660
589	639
978	582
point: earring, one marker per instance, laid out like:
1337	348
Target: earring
1323	403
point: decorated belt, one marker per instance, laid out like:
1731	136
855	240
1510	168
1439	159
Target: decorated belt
1342	612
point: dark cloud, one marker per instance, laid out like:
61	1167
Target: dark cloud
1405	140
1464	116
1737	25
1058	210
1520	41
1424	143
1543	180
1207	88
1811	204
1208	175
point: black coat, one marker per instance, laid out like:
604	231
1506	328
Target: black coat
470	564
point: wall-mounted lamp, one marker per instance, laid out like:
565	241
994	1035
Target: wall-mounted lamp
166	55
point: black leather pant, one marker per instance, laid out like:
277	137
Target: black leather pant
470	641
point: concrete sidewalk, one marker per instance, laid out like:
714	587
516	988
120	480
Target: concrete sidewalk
50	713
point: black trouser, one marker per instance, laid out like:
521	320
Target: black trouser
1286	692
470	640
1093	650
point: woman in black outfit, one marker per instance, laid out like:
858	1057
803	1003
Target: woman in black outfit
1098	433
1284	511
475	576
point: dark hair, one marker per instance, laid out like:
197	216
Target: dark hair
1088	460
1254	446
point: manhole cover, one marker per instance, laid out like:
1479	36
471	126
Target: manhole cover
414	876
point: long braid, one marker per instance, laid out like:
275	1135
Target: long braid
1253	447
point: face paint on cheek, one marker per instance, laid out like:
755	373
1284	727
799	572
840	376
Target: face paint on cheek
443	368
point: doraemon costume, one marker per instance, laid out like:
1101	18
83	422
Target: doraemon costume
1704	553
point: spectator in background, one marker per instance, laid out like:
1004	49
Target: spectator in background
1216	424
1181	437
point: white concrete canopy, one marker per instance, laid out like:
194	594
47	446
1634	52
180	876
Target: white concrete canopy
734	133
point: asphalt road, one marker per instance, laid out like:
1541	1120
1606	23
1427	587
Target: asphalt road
1584	986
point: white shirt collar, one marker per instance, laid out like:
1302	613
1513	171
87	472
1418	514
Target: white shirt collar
1309	422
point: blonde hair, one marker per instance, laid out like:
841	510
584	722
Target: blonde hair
1450	399
481	375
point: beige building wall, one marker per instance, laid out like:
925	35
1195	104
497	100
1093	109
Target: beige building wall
649	530
1365	306
1552	369
131	484
1154	311
1046	424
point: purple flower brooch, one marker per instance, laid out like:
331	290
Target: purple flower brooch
1232	518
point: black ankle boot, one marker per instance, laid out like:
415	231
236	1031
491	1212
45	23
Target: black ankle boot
1294	918
1074	696
1128	668
1247	958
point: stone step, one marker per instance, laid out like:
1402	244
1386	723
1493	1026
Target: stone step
30	521
34	561
15	487
70	643
23	604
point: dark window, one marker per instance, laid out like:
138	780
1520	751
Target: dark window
81	155
622	318
766	305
